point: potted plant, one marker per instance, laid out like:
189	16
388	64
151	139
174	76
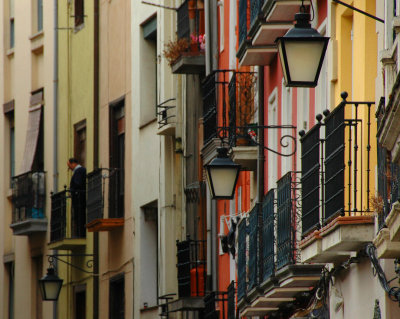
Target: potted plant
174	49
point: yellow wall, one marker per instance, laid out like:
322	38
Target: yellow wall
75	104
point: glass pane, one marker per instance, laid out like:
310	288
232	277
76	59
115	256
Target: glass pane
39	15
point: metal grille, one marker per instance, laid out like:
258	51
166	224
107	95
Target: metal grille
166	113
268	237
95	203
209	306
232	109
242	21
191	268
231	300
253	248
28	196
242	280
255	10
310	180
209	108
286	223
116	193
183	21
334	163
58	216
394	182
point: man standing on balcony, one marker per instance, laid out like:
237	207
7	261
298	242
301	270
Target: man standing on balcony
78	198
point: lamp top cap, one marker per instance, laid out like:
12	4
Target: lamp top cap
302	20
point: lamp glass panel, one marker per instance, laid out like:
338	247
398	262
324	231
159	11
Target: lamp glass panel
303	58
223	180
280	50
52	289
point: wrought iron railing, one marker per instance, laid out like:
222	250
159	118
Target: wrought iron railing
242	260
254	258
243	14
166	113
210	309
68	212
191	266
286	220
310	179
100	183
241	91
268	236
28	196
116	192
190	23
210	123
255	11
337	175
388	186
231	301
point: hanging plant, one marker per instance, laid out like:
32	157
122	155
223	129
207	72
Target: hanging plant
174	49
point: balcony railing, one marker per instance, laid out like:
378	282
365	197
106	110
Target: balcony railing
210	310
231	301
67	215
191	23
336	169
229	106
166	113
104	194
271	237
191	266
243	18
28	196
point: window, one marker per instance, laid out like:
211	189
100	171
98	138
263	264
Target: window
80	142
8	109
39	15
79	13
12	26
80	302
272	138
149	259
9	267
117	158
117	298
148	56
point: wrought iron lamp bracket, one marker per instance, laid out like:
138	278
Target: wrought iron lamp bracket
89	263
228	135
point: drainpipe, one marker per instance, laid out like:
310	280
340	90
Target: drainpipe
208	34
214	35
55	116
96	150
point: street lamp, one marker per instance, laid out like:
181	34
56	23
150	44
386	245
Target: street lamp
301	51
222	175
50	285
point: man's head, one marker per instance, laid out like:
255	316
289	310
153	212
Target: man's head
72	163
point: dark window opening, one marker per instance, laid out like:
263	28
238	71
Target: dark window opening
80	142
79	12
117	298
38	161
117	159
80	302
10	302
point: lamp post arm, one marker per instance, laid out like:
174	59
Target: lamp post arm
360	11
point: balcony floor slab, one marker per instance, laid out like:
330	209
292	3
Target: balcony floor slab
188	303
29	226
267	33
104	224
385	248
260	55
189	64
246	156
393	222
282	10
167	130
68	244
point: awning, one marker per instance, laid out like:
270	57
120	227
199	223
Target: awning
32	135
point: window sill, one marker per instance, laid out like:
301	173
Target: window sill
37	35
151	308
10	52
9	194
79	27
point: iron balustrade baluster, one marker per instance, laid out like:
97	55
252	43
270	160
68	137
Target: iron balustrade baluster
242	21
310	181
28	196
231	300
95	195
232	89
58	216
242	273
368	149
253	249
355	175
268	236
334	163
285	222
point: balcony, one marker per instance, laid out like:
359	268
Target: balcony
105	209
166	116
67	226
337	218
260	24
270	277
188	53
386	204
28	199
191	267
230	116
